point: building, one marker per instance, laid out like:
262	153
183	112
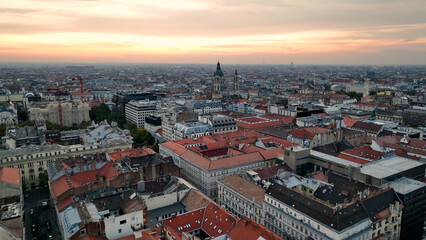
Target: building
24	136
385	212
311	137
11	204
73	112
236	86
121	99
137	111
32	160
152	123
191	129
8	113
296	215
414	117
203	107
413	197
218	79
241	197
256	123
220	123
412	146
213	222
203	161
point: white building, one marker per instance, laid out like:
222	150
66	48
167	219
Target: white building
136	111
191	129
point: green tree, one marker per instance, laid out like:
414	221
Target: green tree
372	93
156	147
130	126
27	124
2	130
43	178
141	137
22	115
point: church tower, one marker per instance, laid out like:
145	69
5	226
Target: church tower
218	79
236	84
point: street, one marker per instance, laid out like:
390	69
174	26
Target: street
33	199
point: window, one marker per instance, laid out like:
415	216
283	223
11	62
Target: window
119	230
122	222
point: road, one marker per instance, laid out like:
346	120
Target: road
33	199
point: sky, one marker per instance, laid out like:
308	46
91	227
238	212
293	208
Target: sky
204	31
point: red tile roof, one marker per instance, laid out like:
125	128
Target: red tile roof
80	93
217	221
364	152
186	222
257	122
118	156
349	122
353	159
270	171
174	147
64	203
302	133
248	229
10	175
64	183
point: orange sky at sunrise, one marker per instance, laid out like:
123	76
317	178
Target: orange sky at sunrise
202	31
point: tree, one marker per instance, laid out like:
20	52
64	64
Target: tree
22	115
141	137
372	93
26	124
156	147
2	130
43	178
99	113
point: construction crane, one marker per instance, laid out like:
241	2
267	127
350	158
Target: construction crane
58	91
80	79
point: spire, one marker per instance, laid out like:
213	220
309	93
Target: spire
218	71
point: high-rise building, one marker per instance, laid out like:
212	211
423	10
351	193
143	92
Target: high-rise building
137	111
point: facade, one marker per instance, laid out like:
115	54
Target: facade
220	123
11	204
73	112
241	197
22	136
191	129
203	107
413	197
292	214
33	160
204	168
315	136
385	212
218	79
121	99
137	111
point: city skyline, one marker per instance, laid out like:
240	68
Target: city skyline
235	32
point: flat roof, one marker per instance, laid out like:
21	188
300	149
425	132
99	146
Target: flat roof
405	185
331	158
389	166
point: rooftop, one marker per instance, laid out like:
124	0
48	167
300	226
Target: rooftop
389	166
405	185
246	188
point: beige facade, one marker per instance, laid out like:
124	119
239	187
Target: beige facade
241	197
73	112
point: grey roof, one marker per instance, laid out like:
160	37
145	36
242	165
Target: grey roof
333	218
29	150
380	202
